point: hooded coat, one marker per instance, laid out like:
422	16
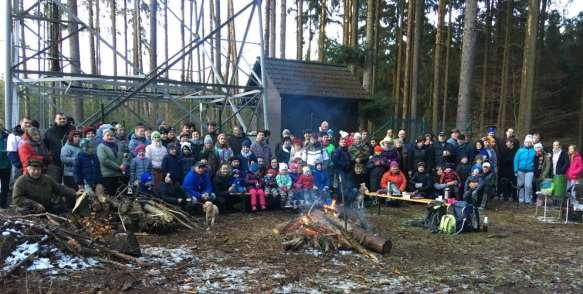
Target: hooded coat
575	167
32	150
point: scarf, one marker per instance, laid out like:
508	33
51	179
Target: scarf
112	146
246	154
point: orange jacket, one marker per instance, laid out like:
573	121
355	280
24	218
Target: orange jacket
398	179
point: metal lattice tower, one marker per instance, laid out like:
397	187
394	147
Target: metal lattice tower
41	68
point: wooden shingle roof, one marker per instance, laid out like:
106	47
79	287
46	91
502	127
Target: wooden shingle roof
299	78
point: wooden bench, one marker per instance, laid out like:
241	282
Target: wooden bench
399	198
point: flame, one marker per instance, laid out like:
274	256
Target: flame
331	208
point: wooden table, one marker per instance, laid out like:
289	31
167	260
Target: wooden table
399	198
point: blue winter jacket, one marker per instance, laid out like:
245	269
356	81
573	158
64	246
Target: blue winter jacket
87	169
524	160
134	142
138	166
194	184
321	179
244	162
69	154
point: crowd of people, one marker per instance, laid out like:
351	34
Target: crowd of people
186	167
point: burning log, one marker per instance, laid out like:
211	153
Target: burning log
375	243
324	230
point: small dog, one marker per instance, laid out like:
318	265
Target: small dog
362	190
211	212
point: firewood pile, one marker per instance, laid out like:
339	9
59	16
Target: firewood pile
99	227
323	230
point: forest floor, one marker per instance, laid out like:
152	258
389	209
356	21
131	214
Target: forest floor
241	254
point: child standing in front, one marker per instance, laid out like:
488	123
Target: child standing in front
253	182
305	185
284	186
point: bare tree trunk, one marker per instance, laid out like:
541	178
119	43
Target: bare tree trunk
92	53
232	45
154	34
504	77
345	21
368	63
528	69
211	26
354	23
166	33
113	19
483	91
74	55
408	52
419	5
399	42
125	35
272	26
218	37
437	66
54	51
446	71
282	25
136	37
467	67
300	29
581	121
25	93
322	32
376	46
267	28
97	40
182	41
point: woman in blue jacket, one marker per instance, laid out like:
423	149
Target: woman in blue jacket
524	170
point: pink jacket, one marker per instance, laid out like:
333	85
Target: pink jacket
575	167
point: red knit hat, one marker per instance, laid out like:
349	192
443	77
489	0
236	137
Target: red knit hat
378	149
87	130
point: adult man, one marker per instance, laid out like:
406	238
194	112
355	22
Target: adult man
54	139
137	138
463	148
236	140
5	168
487	187
438	147
36	193
187	128
13	142
211	129
260	148
506	170
359	152
453	139
121	138
197	184
560	160
510	135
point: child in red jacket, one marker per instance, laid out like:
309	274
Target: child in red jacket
452	181
305	185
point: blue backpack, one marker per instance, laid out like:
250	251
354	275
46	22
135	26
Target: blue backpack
467	217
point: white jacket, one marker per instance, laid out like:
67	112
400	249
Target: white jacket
156	154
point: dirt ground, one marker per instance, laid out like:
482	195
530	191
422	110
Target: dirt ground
241	254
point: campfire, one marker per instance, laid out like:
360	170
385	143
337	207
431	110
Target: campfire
324	230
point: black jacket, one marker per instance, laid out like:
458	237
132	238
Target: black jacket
236	143
54	139
426	181
562	163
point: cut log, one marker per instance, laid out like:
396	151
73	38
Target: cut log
375	243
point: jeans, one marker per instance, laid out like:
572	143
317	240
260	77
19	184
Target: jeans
571	189
524	180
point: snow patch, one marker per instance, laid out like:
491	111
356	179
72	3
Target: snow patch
166	257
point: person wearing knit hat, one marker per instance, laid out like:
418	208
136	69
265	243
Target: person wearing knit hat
208	140
69	153
156	153
421	182
524	167
378	150
255	187
394	181
139	165
269	183
87	171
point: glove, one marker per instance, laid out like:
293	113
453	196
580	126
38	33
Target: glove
38	208
418	185
136	183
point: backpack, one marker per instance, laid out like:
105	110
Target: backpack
467	217
435	211
448	224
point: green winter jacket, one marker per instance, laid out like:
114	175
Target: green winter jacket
43	190
109	161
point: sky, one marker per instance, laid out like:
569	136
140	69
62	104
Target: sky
570	8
